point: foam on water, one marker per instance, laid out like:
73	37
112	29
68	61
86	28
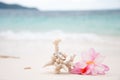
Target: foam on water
28	35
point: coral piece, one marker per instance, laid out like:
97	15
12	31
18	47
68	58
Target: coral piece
59	59
56	43
69	63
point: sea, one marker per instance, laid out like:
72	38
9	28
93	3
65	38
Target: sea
33	24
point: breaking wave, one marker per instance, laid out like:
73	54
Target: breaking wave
28	35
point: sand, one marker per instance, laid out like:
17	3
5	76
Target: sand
24	59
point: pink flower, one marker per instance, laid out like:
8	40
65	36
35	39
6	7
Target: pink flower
90	64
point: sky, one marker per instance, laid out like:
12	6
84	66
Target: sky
67	4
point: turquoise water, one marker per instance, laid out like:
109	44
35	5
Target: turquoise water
90	22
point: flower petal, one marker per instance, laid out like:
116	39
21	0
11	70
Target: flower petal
86	57
93	54
99	59
106	68
80	64
78	68
101	69
75	71
91	69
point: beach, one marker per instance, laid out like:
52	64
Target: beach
26	42
31	55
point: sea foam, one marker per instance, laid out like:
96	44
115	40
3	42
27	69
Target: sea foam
28	35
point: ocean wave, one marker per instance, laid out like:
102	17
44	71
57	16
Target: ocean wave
28	35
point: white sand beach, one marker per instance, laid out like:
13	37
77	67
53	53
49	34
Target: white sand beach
29	27
33	54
